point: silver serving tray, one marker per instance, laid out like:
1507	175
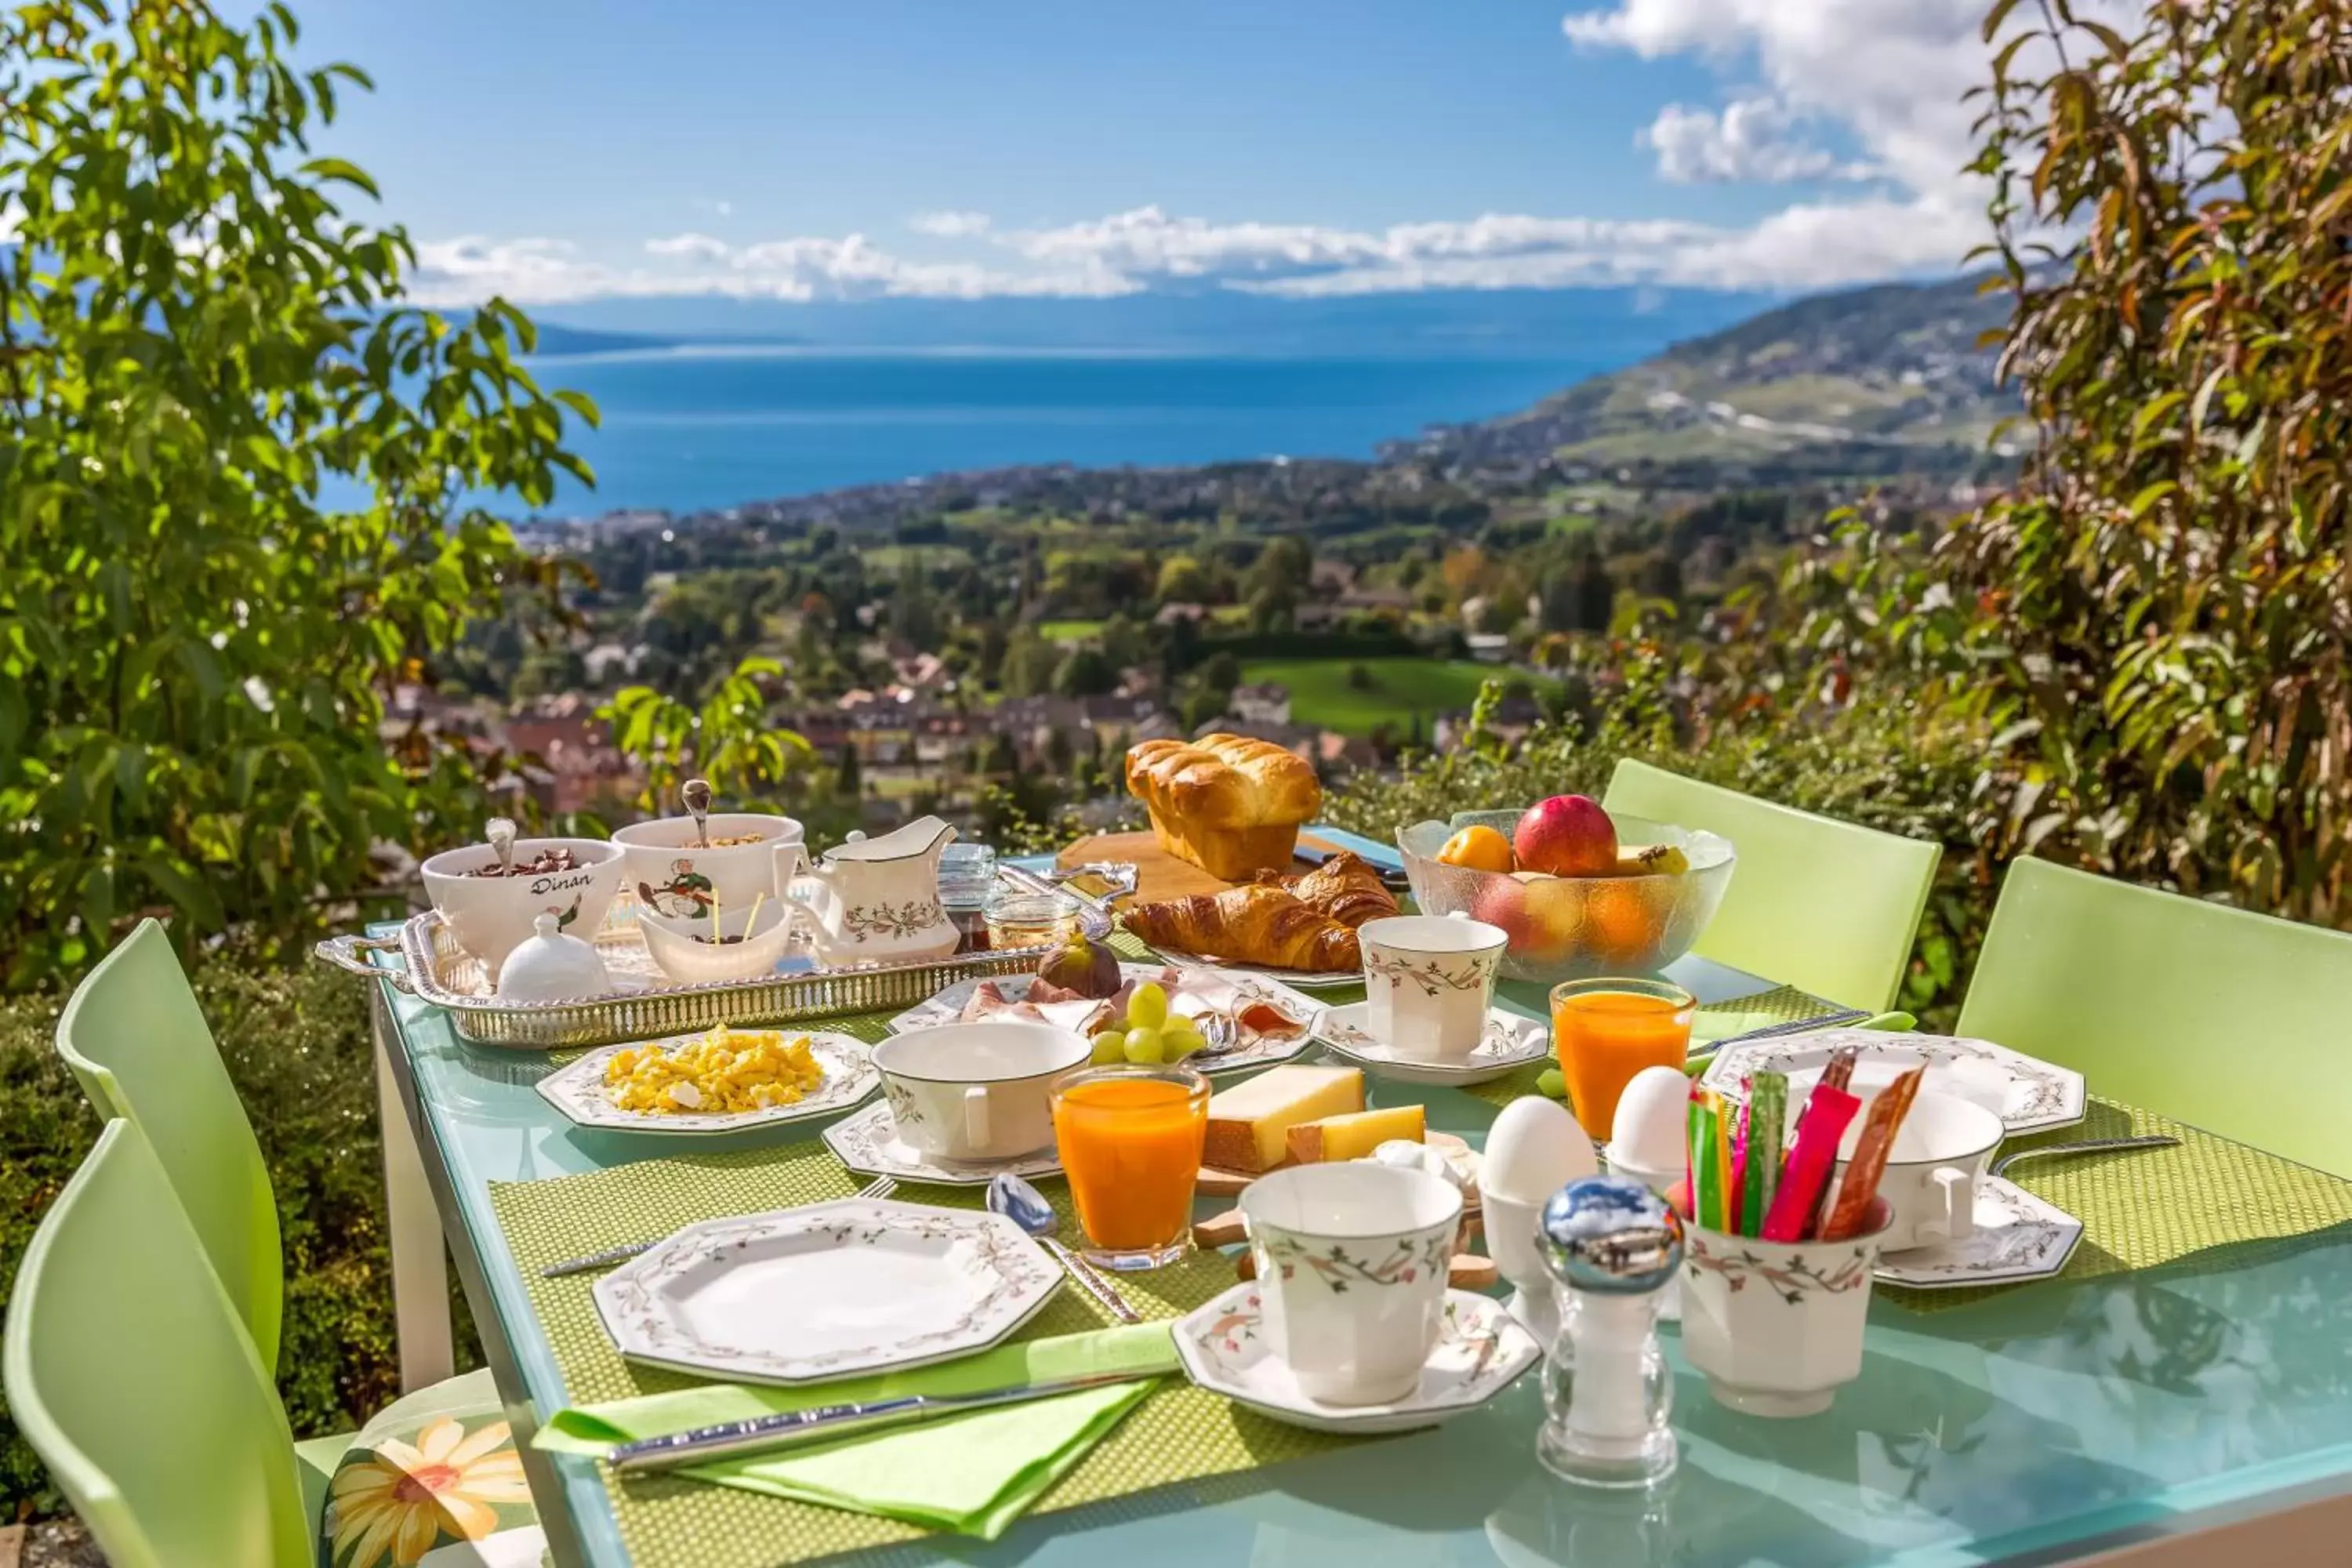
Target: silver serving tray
650	1004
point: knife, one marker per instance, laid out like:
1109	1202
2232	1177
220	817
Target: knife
825	1422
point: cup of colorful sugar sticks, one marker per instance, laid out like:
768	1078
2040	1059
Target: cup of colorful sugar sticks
1778	1249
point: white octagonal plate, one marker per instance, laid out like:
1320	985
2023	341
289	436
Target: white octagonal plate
1481	1351
2027	1093
1510	1042
947	1005
2018	1236
868	1143
830	1290
578	1090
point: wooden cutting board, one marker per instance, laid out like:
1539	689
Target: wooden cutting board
1159	874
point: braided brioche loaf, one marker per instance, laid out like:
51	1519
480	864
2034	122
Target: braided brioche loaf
1229	805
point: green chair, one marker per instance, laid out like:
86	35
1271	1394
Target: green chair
2232	1021
129	1372
1825	906
138	1044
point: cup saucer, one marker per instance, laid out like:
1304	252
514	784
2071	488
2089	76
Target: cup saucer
868	1143
1510	1042
2018	1236
1481	1349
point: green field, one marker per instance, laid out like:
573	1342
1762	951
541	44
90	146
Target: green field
1067	631
1321	696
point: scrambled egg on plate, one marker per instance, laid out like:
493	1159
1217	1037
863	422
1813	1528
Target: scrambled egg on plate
726	1070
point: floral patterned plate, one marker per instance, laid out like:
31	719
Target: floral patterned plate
1481	1351
1510	1042
2028	1094
578	1090
828	1291
868	1143
947	1006
2018	1236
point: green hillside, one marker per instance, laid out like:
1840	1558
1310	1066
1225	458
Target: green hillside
1323	694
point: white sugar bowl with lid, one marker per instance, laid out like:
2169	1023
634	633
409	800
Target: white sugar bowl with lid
550	966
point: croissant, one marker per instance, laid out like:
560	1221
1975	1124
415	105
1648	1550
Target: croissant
1253	924
1348	888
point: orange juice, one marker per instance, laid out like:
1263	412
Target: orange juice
1130	1143
1605	1031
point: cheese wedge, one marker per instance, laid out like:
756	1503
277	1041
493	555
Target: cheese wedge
1247	1123
1353	1136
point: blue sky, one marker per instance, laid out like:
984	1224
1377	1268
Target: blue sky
796	150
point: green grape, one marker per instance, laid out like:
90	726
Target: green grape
1144	1047
1109	1046
1178	1043
1550	1082
1182	1024
1148	1008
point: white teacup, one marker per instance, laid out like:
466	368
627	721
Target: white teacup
672	875
1940	1153
976	1091
1429	981
1351	1262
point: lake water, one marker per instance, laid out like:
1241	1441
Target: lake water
695	428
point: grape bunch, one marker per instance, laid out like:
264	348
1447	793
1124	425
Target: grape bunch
1149	1034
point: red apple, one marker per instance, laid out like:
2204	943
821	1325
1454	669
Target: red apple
1568	836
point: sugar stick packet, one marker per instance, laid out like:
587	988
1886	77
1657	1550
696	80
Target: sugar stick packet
1728	1141
1768	1118
1851	1214
1736	1211
1695	1147
1707	1158
1838	1073
1813	1156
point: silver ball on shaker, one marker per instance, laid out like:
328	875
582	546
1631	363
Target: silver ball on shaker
1610	1235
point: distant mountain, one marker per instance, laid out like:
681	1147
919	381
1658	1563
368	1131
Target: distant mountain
1572	325
1885	379
554	339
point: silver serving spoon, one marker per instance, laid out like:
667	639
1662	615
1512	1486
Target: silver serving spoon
2085	1146
1025	1207
501	835
695	796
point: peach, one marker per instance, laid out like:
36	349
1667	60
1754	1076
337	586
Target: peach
1540	916
1568	836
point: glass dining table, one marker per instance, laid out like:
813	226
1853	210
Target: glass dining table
2051	1422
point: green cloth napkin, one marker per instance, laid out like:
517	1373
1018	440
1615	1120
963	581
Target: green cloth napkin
973	1474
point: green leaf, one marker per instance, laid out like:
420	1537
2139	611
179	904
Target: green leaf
327	170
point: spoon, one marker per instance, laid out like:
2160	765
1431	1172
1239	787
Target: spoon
501	835
696	795
1025	1207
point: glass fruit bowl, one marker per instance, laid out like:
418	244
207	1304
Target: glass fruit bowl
1576	928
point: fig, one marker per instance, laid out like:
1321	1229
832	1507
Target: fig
1084	967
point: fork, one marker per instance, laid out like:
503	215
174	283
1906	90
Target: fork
879	1187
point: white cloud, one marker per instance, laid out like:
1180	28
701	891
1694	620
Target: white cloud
950	225
1751	139
724	209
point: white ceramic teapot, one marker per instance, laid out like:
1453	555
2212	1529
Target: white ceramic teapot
876	901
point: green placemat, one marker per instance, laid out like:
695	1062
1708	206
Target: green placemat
1179	1433
2144	1208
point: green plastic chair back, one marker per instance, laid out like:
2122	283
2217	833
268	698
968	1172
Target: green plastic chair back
131	1378
2232	1021
1825	906
138	1043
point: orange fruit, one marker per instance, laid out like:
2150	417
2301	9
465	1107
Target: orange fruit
1480	850
1620	924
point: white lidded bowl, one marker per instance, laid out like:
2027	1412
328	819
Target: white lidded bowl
677	946
490	916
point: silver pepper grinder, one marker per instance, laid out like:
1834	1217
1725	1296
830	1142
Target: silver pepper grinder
1612	1245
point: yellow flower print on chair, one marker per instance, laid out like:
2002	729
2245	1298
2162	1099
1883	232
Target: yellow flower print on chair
392	1502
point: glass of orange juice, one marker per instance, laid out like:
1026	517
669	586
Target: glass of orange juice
1130	1142
1605	1031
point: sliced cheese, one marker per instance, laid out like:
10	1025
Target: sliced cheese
1355	1135
1247	1123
